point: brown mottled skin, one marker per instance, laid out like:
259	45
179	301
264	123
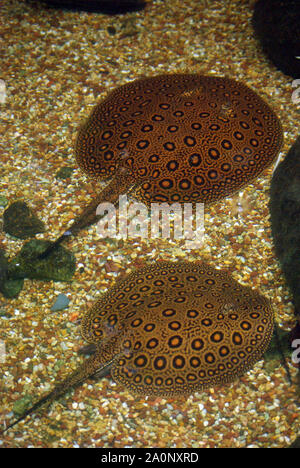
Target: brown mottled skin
176	138
172	329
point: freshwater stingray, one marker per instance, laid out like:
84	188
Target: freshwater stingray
172	329
175	138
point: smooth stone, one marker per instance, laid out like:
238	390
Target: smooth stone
58	266
61	302
19	221
10	288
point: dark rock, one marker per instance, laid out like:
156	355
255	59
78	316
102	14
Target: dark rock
3	265
19	221
10	288
64	172
285	215
277	26
111	30
101	6
58	266
61	302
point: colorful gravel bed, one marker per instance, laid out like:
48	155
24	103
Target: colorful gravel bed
56	66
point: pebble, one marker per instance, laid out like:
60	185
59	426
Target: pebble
61	302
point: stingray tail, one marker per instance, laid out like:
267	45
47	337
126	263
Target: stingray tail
120	184
90	367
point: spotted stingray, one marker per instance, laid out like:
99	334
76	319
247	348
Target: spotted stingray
176	138
172	329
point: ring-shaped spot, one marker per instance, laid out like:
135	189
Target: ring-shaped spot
178	362
141	360
175	341
195	160
160	363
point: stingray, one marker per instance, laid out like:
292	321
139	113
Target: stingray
175	138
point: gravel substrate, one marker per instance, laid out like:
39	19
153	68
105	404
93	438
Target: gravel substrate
56	66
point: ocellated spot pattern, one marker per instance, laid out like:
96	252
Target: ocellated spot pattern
179	327
183	137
